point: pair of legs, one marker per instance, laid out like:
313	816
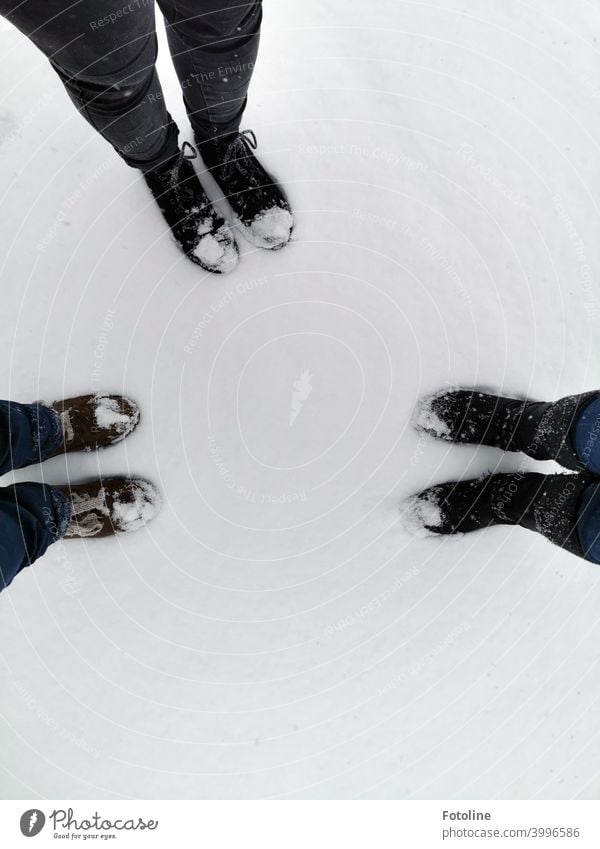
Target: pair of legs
33	515
563	508
105	51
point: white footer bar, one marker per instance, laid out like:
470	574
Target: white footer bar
301	824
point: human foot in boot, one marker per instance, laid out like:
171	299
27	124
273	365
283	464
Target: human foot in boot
101	508
548	504
541	430
260	207
202	234
90	422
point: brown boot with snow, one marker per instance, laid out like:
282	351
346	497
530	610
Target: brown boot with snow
90	422
101	508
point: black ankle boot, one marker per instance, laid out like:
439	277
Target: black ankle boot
202	234
548	504
537	428
261	208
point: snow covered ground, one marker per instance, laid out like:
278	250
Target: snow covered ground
276	632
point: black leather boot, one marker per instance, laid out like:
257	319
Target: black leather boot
548	504
261	209
537	428
198	229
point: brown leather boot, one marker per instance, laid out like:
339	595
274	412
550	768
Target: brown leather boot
102	508
90	422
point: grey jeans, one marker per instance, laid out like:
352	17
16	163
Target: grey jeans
105	51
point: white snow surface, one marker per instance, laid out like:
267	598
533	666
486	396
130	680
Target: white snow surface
276	631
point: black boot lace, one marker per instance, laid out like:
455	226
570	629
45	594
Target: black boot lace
238	155
183	189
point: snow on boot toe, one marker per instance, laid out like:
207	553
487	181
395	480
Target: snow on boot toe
217	251
271	229
427	419
115	415
422	513
134	505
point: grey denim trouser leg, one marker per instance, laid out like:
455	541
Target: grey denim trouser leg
105	53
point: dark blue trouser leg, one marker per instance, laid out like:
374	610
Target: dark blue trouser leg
32	517
588	524
585	435
29	433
